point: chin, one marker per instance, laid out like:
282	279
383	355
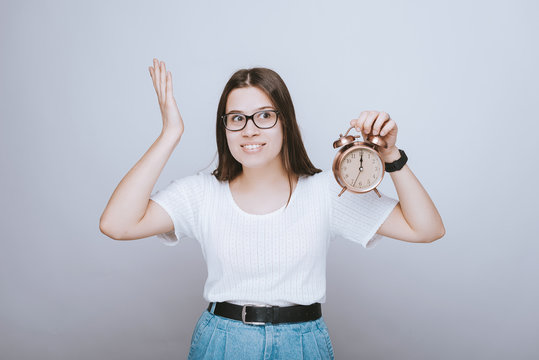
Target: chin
258	161
254	163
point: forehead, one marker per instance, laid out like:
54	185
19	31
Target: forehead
248	99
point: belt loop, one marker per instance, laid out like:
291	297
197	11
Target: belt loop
213	304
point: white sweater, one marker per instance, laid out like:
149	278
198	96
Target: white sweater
277	258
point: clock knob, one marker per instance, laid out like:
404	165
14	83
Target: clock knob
376	140
343	140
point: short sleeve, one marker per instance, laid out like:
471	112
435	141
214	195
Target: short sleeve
181	199
357	217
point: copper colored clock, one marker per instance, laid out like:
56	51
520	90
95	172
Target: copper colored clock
358	166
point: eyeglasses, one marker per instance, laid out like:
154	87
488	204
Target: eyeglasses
264	119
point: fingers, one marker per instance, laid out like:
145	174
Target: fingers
154	71
380	120
358	123
369	121
388	126
162	80
373	122
169	85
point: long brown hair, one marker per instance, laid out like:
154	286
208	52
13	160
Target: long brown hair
295	158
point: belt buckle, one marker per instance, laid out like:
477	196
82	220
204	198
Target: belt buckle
244	311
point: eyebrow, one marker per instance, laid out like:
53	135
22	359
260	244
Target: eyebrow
260	108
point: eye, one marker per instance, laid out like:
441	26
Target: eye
237	117
265	115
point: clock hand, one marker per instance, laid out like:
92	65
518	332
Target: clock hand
360	168
357	177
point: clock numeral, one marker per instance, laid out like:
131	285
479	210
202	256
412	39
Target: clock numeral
353	155
374	176
348	161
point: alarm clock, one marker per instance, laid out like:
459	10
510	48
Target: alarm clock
358	166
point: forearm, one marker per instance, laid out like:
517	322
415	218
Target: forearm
129	200
417	207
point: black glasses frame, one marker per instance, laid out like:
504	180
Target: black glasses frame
251	117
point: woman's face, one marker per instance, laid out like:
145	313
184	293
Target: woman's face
253	147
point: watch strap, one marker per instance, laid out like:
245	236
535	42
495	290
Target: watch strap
397	164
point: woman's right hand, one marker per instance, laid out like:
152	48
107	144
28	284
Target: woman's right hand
162	82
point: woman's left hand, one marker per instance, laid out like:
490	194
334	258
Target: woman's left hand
378	123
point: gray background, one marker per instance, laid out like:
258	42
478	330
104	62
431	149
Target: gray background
78	109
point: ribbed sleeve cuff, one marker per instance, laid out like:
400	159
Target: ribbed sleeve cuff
171	238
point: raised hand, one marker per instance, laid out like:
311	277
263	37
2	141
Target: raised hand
162	83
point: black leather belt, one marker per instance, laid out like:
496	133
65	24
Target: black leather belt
261	314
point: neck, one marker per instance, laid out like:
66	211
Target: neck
272	174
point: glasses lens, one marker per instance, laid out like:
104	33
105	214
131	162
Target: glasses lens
234	121
265	119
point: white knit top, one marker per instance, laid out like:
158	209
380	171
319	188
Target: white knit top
277	258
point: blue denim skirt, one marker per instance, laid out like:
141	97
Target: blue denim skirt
219	338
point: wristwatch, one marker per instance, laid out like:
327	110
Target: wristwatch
397	164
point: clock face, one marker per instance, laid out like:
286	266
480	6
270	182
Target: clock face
361	169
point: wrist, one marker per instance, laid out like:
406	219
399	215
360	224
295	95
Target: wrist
173	136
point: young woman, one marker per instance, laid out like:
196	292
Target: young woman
264	218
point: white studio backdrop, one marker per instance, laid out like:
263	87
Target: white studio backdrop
78	109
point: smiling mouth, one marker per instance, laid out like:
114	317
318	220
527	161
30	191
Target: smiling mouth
252	146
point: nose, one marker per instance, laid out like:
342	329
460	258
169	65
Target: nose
250	128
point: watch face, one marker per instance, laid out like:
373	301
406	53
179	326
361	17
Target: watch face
361	169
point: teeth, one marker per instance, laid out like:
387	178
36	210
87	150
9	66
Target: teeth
251	147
